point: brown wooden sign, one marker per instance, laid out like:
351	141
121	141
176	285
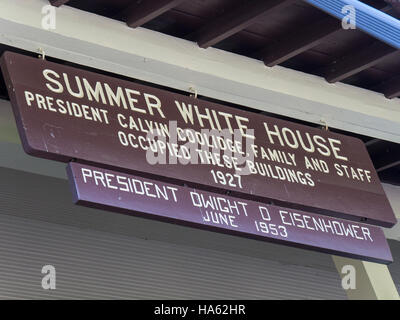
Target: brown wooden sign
65	113
126	193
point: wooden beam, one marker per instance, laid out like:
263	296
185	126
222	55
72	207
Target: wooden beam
58	3
372	142
358	61
236	20
303	39
142	11
387	157
389	165
299	41
390	88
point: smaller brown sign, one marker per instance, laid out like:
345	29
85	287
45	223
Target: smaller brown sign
126	193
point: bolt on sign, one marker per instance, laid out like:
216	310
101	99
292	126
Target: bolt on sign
66	113
126	193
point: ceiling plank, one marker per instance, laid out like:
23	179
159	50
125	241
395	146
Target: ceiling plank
384	155
389	166
372	142
303	39
358	61
299	41
388	160
143	11
58	3
236	20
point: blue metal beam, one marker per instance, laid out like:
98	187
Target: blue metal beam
368	19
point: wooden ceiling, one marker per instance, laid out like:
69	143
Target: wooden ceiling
290	33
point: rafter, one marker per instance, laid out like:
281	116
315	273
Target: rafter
386	156
142	11
358	61
236	20
304	39
300	41
390	88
